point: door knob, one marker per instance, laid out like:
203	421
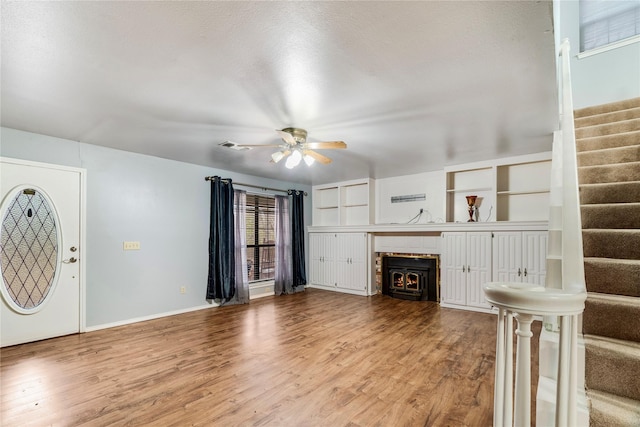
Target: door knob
73	249
69	261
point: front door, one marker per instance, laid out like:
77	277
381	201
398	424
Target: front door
39	260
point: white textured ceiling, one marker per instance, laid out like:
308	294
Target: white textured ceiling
409	86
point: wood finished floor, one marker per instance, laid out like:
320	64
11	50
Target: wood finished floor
316	358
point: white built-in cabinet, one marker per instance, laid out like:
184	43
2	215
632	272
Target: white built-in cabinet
344	203
520	256
339	261
465	267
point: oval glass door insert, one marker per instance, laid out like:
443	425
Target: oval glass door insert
29	255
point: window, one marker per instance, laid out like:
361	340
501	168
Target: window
261	248
603	22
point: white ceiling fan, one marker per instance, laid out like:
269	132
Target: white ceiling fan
295	146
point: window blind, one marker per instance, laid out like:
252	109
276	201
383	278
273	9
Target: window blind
603	22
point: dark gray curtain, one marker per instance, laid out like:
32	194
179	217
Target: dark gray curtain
297	238
221	281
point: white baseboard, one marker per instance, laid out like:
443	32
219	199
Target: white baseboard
150	317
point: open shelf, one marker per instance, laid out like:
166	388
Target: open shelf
345	203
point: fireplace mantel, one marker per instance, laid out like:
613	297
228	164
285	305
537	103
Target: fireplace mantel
409	229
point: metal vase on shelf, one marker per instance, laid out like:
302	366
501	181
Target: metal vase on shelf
471	201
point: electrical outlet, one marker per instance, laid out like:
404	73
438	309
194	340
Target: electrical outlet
131	246
183	289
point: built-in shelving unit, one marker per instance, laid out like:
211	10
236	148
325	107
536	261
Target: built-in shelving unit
325	205
513	189
344	203
523	191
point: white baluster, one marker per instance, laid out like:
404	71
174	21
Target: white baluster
522	413
499	389
508	378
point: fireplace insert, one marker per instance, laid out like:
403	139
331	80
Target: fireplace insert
410	277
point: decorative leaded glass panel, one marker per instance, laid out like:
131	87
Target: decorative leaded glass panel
29	255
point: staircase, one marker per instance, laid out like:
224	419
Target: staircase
608	146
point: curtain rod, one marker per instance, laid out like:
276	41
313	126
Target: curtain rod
210	178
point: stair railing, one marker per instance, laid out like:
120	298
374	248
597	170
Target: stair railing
562	297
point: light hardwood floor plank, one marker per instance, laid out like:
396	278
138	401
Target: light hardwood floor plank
316	358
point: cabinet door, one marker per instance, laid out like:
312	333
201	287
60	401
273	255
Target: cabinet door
329	259
358	262
316	272
507	257
534	257
453	268
478	267
343	252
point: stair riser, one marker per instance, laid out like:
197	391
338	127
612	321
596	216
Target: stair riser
608	146
625	172
611	244
615	116
610	141
612	278
617	192
613	216
609	156
608	319
608	129
606	108
612	372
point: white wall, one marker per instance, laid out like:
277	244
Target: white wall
432	184
163	204
605	77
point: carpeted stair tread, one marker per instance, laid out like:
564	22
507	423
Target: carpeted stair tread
610	192
608	117
630	153
611	215
623	172
613	276
612	316
605	108
620	244
608	128
608	141
612	366
609	410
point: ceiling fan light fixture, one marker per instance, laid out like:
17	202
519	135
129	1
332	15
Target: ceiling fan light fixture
308	159
277	156
294	159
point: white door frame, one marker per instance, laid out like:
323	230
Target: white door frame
82	260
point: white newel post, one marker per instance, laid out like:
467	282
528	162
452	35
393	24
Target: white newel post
522	414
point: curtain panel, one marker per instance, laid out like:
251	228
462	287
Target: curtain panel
297	239
222	269
240	247
283	283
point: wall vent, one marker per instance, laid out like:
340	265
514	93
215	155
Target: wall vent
409	198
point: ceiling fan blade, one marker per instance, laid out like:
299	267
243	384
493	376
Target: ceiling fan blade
258	145
327	145
287	137
319	157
